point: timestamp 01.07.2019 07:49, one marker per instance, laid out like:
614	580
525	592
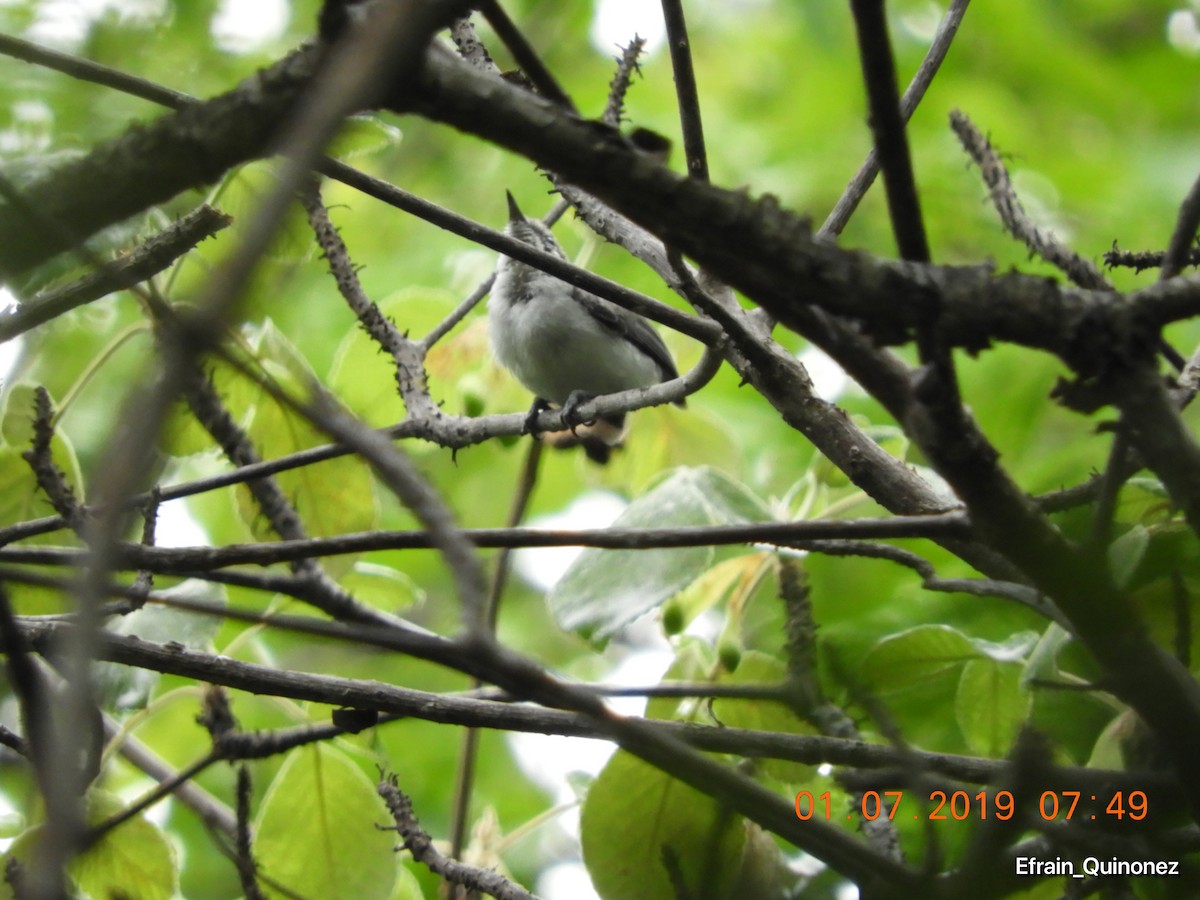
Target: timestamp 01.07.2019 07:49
962	805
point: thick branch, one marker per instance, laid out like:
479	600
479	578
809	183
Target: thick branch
152	163
755	246
145	261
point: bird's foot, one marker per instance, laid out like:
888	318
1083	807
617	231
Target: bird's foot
570	409
539	407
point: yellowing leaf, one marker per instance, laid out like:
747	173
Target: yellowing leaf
316	831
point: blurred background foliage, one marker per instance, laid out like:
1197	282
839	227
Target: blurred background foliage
1095	105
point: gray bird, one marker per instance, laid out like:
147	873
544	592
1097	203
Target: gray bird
567	345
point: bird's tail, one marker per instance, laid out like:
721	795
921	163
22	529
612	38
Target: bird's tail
598	439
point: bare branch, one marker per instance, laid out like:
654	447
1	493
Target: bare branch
1081	271
420	845
141	263
1184	234
523	52
687	95
887	124
178	560
865	177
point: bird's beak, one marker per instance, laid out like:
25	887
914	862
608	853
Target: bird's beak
514	211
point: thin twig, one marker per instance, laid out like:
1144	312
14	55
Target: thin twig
142	262
887	124
627	66
469	752
163	789
50	478
1079	270
407	356
686	93
931	581
800	535
215	815
523	52
862	180
809	699
143	581
507	715
1144	259
247	869
417	842
1183	236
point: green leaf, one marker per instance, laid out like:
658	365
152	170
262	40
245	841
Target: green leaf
663	438
917	655
1125	743
129	687
362	136
316	831
134	861
1143	499
1126	552
407	886
635	814
1042	663
16	427
759	669
708	590
694	661
991	705
383	587
22	500
604	590
332	497
1016	648
364	377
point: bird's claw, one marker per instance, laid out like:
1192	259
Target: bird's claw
570	409
539	407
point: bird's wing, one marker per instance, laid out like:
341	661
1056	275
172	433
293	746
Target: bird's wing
633	328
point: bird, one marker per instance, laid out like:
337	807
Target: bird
567	345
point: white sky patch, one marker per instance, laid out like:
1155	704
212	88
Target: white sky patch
65	23
543	566
829	379
10	351
239	27
1183	33
548	759
177	528
60	23
617	22
566	881
921	21
12	822
32	127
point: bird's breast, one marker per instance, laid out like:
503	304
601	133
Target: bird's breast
554	346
